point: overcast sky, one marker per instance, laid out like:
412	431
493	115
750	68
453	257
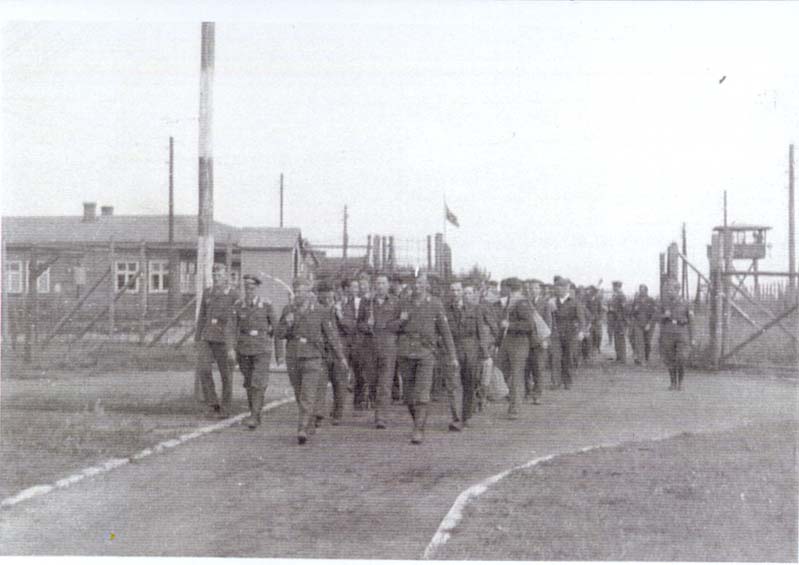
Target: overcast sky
569	138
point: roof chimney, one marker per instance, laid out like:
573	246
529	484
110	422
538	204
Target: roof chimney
89	211
106	211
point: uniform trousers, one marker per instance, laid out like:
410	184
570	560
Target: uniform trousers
596	335
513	359
304	374
334	373
533	371
562	351
255	369
207	353
642	342
620	342
417	378
674	345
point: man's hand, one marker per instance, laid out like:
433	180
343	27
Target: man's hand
453	362
231	356
580	336
290	318
404	316
504	324
646	327
545	343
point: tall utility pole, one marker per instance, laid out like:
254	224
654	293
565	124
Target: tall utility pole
685	290
791	224
205	219
174	264
346	237
281	200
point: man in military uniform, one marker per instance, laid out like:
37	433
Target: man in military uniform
536	361
378	323
255	320
568	327
308	330
518	333
676	332
596	308
471	340
216	340
334	371
422	321
617	321
642	317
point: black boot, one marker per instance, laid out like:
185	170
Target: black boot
680	375
673	377
255	411
420	420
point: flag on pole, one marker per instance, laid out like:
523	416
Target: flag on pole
451	218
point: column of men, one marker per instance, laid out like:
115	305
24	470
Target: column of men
377	341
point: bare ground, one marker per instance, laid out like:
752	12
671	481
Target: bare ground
356	492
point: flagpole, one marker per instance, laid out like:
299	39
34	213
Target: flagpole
445	218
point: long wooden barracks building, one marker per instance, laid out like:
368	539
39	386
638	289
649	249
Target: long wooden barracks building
144	265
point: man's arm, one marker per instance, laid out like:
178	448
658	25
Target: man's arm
201	317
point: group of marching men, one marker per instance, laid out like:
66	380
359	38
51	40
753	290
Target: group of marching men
387	337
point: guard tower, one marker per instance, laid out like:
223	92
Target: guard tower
742	242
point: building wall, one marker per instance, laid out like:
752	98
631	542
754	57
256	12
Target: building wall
275	263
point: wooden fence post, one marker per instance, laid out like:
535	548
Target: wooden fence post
145	279
112	287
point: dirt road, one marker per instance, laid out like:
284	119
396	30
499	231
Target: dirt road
356	492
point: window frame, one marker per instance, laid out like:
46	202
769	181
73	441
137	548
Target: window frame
127	273
162	273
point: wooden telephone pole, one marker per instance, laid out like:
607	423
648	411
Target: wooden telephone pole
205	217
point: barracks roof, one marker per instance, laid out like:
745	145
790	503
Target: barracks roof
134	229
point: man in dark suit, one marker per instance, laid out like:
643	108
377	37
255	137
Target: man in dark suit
617	321
568	326
469	333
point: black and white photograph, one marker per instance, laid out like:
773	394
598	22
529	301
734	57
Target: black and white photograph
399	280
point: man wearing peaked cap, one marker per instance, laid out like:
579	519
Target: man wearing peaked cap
617	321
255	320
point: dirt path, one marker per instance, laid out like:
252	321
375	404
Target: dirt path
356	492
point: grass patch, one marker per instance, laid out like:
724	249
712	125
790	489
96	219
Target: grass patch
729	496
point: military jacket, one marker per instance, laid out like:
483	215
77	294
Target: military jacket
643	310
568	318
386	317
426	322
468	328
217	319
311	333
617	307
255	322
674	314
519	314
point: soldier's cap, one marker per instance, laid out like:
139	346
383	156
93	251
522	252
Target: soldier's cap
300	281
324	286
535	281
556	279
251	279
617	284
562	281
513	283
